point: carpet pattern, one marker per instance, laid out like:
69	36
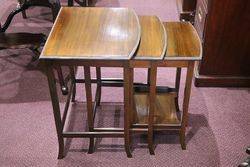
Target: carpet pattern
219	119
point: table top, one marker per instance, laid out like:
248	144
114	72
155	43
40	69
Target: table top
153	39
119	34
167	41
93	33
183	42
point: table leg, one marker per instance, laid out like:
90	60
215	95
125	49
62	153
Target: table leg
63	85
128	97
89	106
73	78
99	86
148	77
152	98
98	91
177	87
187	93
56	110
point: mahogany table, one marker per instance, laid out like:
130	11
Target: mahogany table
100	42
125	41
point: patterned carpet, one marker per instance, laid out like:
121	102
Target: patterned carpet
218	130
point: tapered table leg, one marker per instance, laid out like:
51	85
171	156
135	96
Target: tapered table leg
177	87
187	93
148	77
152	99
99	86
64	87
128	89
98	91
89	106
73	78
56	109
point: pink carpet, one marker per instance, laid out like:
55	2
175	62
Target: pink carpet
218	132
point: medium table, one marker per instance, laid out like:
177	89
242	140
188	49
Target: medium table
117	37
161	103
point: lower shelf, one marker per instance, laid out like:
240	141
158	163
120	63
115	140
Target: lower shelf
165	109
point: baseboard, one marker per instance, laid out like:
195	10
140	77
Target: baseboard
221	81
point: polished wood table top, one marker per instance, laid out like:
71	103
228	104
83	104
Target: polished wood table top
153	39
167	41
93	33
119	34
183	42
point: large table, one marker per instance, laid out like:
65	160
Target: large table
117	37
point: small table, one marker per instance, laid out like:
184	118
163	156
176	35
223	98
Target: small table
109	37
161	103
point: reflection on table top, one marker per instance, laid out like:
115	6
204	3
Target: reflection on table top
118	34
93	33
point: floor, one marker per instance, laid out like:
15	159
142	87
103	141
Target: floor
217	135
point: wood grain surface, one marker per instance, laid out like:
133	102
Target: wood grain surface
183	41
153	39
165	110
93	33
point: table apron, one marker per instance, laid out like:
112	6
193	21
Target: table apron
119	63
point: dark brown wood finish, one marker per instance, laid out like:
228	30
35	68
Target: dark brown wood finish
226	42
56	109
128	92
177	87
187	92
186	9
88	89
152	100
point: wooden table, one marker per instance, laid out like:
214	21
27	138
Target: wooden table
161	103
109	37
106	37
